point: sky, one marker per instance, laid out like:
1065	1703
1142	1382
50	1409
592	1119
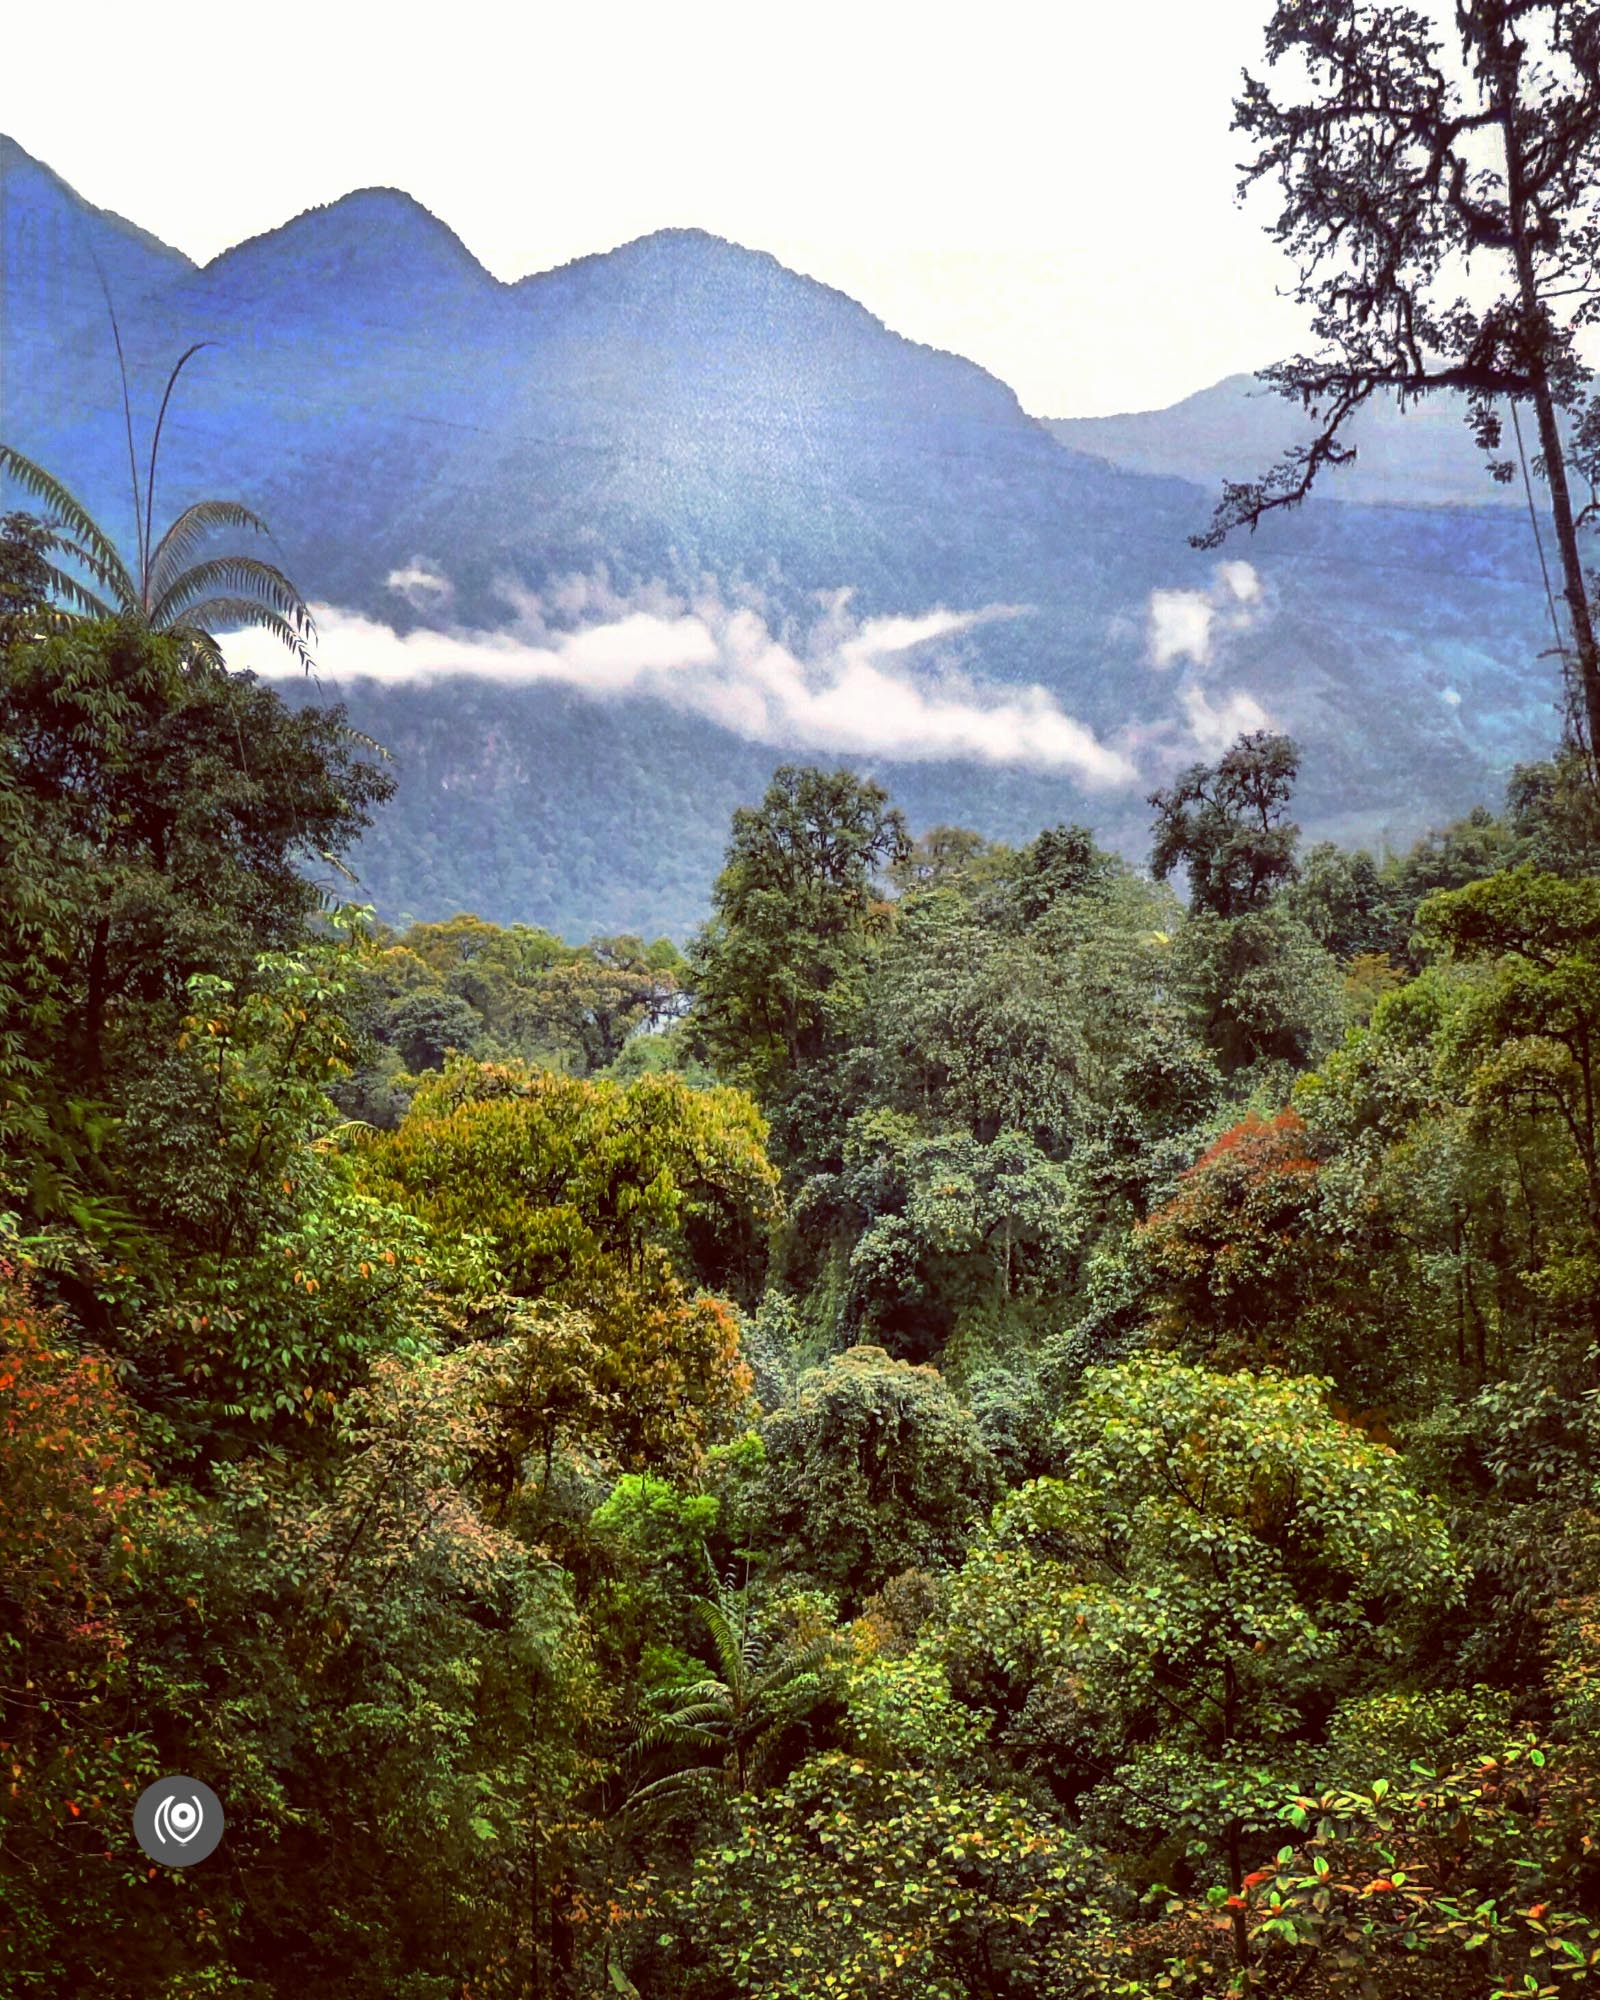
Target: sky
1047	191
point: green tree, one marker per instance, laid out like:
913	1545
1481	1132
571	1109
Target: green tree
616	1204
779	972
1259	989
950	857
730	1718
587	1008
874	1468
860	1879
1222	1556
953	1225
165	817
1531	1031
1225	824
1346	902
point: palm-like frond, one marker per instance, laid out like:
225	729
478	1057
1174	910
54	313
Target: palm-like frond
200	621
698	1784
339	867
724	1723
88	544
700	1724
189	531
191	599
737	1648
148	535
239	578
795	1662
77	599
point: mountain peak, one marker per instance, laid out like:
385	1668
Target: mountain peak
28	188
366	226
375	257
680	256
687	285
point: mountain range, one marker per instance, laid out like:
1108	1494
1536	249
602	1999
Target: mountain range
595	551
1423	454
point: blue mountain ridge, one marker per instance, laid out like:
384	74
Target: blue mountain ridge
683	414
1422	453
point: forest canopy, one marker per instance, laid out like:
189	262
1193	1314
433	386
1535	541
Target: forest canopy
1003	1422
990	1428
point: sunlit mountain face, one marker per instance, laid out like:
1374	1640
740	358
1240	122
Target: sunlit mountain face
594	552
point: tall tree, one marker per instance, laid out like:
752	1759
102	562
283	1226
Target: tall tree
778	972
1415	154
158	816
1227	825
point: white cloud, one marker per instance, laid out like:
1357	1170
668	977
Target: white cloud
848	685
1240	581
421	587
1183	624
1179	627
1215	724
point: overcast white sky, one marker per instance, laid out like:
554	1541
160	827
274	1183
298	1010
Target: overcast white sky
1048	190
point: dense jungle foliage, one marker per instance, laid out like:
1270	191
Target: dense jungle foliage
986	1433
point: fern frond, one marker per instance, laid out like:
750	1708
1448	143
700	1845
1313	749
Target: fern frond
732	1647
339	867
367	742
96	552
146	588
189	531
673	1734
703	1781
795	1665
216	614
237	577
76	600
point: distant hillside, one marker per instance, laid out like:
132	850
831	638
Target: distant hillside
754	524
1423	456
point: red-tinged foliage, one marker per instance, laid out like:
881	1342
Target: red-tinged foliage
1400	1891
1228	1248
72	1492
70	1484
1244	1270
1263	1144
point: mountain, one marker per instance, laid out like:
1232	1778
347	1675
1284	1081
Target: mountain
684	513
54	249
1423	455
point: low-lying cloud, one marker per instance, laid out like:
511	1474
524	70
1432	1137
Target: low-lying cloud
1184	627
424	589
1215	724
880	686
1184	624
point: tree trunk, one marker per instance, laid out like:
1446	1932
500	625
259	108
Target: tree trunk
95	1000
1241	1926
535	1924
1535	318
1234	1842
563	1943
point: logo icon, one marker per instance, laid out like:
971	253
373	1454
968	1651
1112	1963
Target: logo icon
178	1821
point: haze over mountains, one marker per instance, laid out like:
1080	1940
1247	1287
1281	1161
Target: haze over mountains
1424	455
595	551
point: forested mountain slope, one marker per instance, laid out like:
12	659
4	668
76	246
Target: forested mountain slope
683	431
